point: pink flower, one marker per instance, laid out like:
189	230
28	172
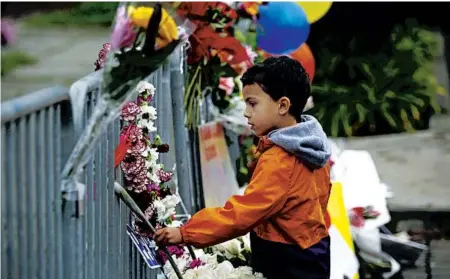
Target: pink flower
8	31
130	111
149	212
141	100
137	147
135	173
102	56
251	54
129	35
177	250
196	263
226	84
120	27
132	132
152	187
164	176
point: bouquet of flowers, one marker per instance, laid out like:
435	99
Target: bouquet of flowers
146	183
215	57
143	37
207	266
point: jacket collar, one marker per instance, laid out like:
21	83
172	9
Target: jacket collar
264	144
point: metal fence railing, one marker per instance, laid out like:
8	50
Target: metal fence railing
44	236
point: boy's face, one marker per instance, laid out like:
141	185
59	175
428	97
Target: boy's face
261	110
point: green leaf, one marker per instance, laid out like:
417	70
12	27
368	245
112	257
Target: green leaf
415	112
390	94
335	124
370	92
345	120
385	113
362	112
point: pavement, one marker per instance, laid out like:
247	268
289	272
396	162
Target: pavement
414	165
64	55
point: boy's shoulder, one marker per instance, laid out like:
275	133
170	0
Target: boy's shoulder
276	157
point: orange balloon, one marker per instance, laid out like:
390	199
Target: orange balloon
303	55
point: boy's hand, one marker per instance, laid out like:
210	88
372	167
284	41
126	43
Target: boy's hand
168	236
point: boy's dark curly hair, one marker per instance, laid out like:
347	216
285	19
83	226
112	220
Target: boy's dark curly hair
281	77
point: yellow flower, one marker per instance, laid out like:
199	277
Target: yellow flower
167	31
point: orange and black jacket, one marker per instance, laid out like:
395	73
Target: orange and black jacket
286	199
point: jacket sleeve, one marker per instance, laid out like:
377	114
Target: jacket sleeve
265	195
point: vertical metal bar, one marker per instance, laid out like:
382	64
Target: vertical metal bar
36	215
38	157
89	218
47	137
114	222
104	216
12	201
5	200
164	107
181	136
22	201
95	215
57	197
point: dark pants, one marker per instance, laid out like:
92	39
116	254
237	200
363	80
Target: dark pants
284	261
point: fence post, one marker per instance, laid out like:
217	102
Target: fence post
180	131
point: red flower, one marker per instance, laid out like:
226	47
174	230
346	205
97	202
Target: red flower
205	43
218	14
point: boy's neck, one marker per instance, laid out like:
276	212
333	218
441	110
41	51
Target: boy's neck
287	122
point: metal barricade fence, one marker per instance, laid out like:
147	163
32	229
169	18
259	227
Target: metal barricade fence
45	237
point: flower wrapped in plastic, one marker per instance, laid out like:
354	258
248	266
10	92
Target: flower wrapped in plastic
144	35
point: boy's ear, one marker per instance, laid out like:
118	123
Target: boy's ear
283	105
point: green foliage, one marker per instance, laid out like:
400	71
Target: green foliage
15	59
85	14
392	87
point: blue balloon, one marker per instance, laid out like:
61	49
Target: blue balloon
283	27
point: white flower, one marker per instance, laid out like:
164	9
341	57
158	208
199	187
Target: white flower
246	241
209	259
153	176
231	249
204	272
146	123
154	155
242	272
190	274
198	252
150	110
145	86
223	269
164	209
171	201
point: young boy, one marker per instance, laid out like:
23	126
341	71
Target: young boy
284	205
